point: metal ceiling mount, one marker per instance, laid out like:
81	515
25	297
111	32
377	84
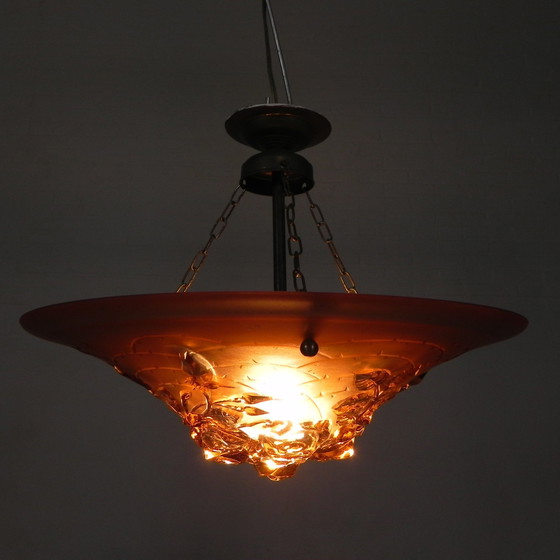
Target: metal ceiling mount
277	125
278	131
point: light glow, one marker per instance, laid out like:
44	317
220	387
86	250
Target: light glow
288	408
273	407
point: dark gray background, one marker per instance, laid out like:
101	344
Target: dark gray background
440	180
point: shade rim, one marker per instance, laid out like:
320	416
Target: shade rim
80	323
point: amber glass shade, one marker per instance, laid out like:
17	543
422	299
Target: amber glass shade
229	363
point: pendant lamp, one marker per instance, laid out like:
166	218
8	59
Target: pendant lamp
273	378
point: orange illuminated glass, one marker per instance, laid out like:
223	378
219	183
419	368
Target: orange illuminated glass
229	363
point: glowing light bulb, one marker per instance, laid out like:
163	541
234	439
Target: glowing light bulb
287	408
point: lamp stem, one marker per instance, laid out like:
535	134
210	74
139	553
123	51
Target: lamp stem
268	6
279	232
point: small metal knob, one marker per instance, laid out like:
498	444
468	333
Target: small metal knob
309	347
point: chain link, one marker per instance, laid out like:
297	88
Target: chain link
324	231
295	246
215	233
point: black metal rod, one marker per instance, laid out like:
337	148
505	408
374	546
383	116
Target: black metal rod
279	232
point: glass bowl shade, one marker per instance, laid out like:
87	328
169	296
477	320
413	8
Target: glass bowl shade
229	363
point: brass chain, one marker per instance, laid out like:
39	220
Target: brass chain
324	231
215	233
295	246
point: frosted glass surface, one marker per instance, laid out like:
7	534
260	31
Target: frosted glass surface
229	363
